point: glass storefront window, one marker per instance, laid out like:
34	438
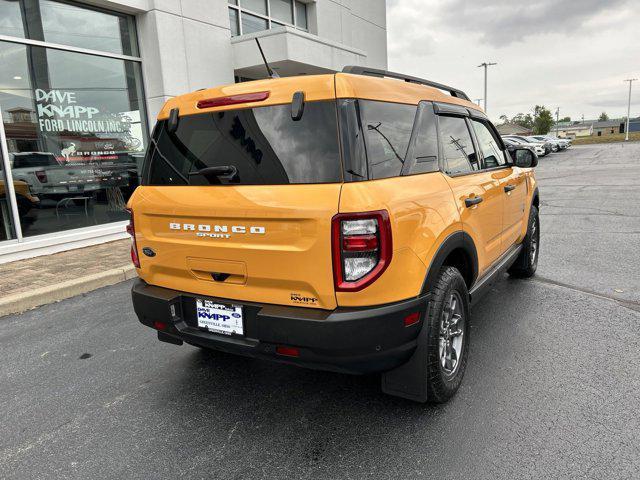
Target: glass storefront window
25	201
76	130
67	24
11	19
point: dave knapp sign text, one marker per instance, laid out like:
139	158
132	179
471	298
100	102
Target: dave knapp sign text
58	111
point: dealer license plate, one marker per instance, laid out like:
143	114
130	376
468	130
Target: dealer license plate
219	318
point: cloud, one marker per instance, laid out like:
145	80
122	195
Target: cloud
568	54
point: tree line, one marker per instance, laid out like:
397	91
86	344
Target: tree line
541	121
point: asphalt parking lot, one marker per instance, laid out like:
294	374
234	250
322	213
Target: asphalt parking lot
551	389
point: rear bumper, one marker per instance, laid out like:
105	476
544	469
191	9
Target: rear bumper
348	340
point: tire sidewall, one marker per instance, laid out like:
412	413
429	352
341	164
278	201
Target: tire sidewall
441	387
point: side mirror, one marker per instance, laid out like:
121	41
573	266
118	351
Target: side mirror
524	157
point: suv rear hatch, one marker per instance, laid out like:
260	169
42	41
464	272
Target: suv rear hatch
237	203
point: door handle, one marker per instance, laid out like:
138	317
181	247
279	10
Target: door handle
509	188
471	201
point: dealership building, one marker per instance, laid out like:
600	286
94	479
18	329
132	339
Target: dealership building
81	83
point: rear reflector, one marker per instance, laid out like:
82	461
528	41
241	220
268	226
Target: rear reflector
233	99
159	325
411	319
288	351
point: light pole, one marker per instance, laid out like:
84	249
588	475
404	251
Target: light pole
485	65
630	80
557	120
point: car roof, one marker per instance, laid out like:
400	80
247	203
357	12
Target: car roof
315	87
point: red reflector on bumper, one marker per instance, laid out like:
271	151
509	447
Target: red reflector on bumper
288	351
159	325
411	319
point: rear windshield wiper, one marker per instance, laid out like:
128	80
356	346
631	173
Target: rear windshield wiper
228	172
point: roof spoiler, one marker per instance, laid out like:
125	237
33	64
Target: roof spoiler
374	72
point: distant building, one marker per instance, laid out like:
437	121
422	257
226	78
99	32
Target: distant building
513	129
634	125
609	127
574	130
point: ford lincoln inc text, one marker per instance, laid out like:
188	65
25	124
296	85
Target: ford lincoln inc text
345	222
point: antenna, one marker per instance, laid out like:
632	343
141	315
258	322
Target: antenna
270	72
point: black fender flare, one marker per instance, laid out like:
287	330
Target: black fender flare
456	240
536	196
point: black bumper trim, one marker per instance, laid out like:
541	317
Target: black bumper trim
350	340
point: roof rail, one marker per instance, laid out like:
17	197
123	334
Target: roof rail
374	72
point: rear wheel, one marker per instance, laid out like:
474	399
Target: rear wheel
527	262
447	335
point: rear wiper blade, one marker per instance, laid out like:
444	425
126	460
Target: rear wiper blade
228	172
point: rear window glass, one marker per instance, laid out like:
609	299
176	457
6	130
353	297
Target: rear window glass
264	146
387	128
32	160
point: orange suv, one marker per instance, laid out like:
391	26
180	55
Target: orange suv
343	222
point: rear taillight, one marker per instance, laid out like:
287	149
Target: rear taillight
131	230
362	249
41	175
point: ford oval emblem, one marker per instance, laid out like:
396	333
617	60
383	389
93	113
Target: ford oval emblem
148	252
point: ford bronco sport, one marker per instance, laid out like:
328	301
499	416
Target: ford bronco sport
343	222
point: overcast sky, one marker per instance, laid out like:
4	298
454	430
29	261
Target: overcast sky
572	54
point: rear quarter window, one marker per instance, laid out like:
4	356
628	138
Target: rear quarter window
387	129
264	144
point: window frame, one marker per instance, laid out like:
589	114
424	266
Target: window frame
496	137
452	110
443	160
64	235
272	22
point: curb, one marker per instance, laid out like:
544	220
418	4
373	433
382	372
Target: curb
21	302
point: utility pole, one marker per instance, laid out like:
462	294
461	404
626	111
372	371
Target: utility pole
478	100
485	65
557	120
630	80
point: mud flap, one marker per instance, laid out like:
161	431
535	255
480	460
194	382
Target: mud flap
410	379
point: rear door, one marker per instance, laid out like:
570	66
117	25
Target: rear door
512	182
238	204
476	191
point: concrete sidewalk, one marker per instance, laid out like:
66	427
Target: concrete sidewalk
37	281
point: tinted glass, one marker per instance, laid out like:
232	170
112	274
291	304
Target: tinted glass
264	145
251	23
282	10
11	19
425	152
301	15
457	146
355	156
387	129
493	156
82	27
75	133
233	22
25	203
258	6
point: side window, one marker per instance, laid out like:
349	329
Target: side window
387	128
425	151
457	147
493	156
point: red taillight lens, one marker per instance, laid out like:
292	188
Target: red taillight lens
362	249
288	351
131	230
233	99
41	175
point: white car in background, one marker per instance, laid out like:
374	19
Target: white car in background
536	147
